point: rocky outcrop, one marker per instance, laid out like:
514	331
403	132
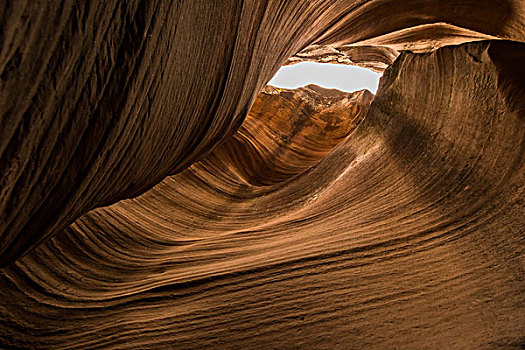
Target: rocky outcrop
405	232
379	52
288	131
376	58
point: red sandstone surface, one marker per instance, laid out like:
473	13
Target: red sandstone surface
155	194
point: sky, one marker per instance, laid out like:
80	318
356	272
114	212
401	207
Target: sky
337	76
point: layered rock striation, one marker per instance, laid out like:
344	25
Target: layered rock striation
288	131
101	101
304	218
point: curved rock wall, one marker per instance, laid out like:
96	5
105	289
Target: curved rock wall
408	233
288	131
101	101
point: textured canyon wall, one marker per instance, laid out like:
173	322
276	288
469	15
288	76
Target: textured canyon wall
288	131
405	233
408	234
101	101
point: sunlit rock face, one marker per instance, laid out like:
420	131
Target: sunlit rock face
288	131
376	58
351	223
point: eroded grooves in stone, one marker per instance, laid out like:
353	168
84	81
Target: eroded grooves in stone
405	232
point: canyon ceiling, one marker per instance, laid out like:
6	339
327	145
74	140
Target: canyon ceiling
154	193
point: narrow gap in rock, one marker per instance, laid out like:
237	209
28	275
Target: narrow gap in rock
342	77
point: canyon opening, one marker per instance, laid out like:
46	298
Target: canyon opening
342	77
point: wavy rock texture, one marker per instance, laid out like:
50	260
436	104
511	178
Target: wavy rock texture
404	233
288	131
101	101
408	234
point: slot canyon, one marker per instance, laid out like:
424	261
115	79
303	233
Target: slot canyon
156	193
